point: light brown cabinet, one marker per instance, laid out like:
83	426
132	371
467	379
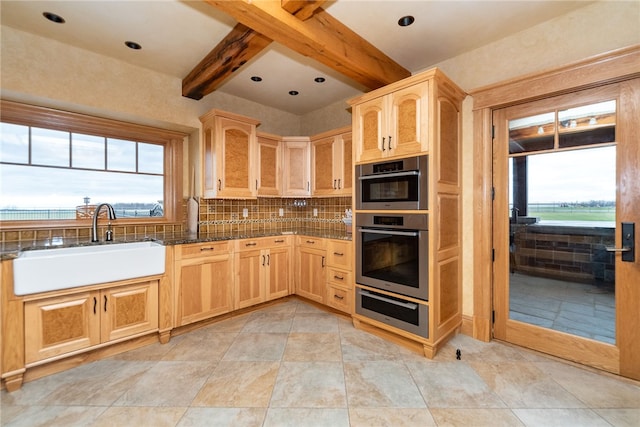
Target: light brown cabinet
229	153
311	268
393	124
269	165
331	163
78	321
203	281
296	180
339	293
263	270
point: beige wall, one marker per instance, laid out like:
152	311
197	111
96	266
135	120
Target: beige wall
48	73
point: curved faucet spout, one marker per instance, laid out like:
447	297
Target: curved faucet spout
94	228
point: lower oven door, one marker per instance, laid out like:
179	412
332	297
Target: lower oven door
399	313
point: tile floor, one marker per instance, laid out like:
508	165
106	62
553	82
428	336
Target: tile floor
293	364
580	309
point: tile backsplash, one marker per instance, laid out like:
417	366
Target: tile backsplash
216	216
272	214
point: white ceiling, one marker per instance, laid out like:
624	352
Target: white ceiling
176	35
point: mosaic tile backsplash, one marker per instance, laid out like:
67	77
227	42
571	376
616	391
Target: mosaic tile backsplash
216	216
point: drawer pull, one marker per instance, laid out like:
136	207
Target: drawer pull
338	253
338	297
312	242
279	241
338	277
250	244
208	248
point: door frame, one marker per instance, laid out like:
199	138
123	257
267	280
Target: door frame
615	66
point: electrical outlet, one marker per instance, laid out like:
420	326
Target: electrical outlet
245	212
281	212
315	211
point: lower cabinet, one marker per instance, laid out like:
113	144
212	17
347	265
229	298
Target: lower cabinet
263	270
311	265
77	321
340	275
203	278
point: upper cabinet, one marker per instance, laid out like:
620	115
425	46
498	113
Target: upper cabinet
400	119
229	153
269	165
296	175
331	163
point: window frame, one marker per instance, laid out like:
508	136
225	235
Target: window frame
49	118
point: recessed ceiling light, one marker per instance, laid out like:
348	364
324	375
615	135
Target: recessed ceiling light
256	78
293	92
132	45
405	21
319	79
53	17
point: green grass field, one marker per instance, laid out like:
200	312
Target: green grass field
555	213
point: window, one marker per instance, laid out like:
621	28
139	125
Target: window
56	170
563	164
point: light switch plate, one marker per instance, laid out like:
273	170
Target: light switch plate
281	212
315	211
245	212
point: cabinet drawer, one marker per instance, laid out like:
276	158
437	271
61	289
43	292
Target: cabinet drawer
202	249
311	242
339	298
339	254
339	277
250	244
277	241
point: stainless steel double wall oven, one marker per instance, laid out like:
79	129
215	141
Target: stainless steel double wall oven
392	247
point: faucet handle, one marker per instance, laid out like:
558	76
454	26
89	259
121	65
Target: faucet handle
109	233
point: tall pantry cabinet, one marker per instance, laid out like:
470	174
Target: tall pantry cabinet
421	115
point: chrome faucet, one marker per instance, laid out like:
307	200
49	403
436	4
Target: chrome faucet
94	228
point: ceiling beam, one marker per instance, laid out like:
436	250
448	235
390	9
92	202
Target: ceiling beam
238	47
321	37
302	9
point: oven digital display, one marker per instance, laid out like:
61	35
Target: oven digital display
388	167
388	220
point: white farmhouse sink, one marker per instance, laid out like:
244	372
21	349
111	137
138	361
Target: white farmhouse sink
63	268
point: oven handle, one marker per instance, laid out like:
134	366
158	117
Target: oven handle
389	175
393	233
409	305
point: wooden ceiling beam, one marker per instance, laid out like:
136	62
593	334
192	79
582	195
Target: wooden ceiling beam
302	9
321	37
238	47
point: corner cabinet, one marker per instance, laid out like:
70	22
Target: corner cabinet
331	163
414	116
296	175
269	165
229	155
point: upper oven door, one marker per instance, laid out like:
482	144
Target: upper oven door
400	184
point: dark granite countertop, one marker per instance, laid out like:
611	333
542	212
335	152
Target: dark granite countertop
12	250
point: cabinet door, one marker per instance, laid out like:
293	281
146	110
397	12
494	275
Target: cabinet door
311	274
324	175
279	277
345	159
128	310
370	126
235	148
250	268
204	287
296	160
409	121
269	169
60	325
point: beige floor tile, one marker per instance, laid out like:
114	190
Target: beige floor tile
256	347
150	353
523	385
475	350
596	390
167	384
359	346
139	416
222	417
453	385
383	384
315	322
309	385
620	417
234	324
308	347
560	418
269	323
56	416
239	384
200	347
390	417
475	417
307	417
